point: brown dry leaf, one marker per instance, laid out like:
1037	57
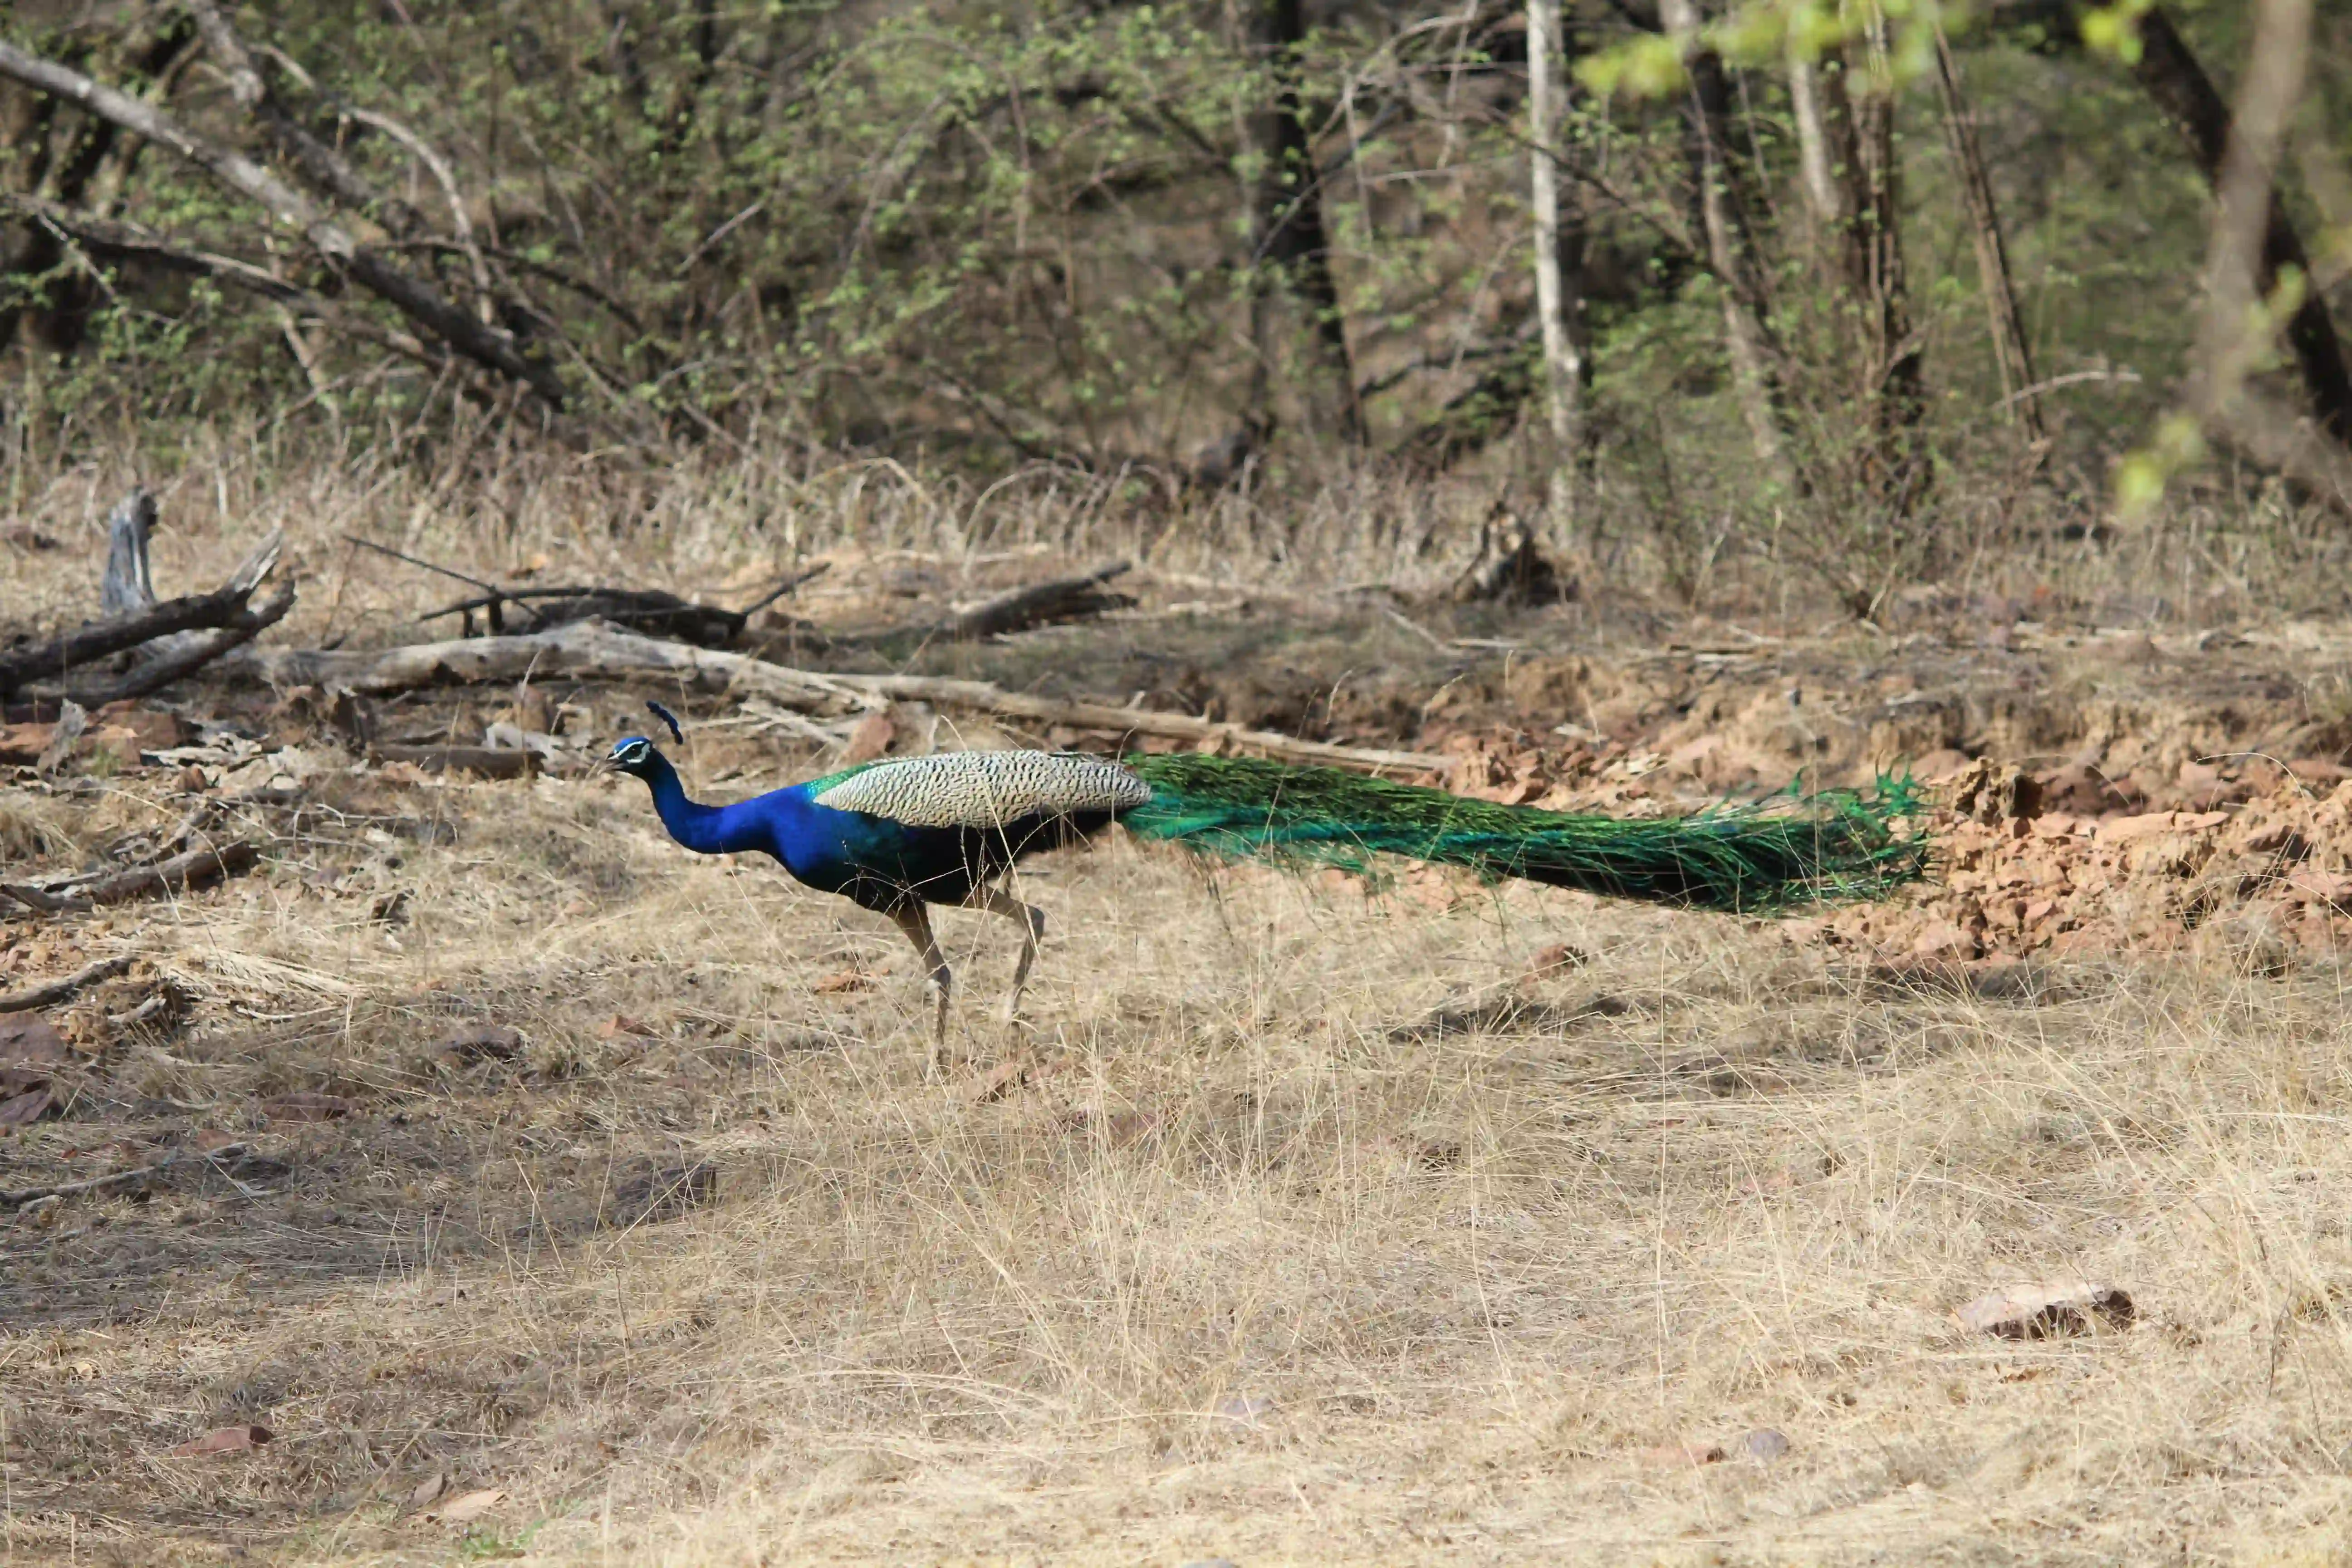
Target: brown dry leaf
846	979
30	1037
2048	1311
468	1507
223	1440
1001	1079
23	1109
306	1106
211	1138
621	1024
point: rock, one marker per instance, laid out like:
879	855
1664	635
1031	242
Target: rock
2048	1311
1764	1444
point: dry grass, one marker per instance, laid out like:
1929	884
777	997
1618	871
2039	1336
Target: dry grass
1262	1269
1706	1187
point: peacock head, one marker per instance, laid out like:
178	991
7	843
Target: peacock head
632	755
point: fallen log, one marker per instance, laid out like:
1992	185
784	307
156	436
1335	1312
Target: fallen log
586	651
100	639
649	611
490	762
595	651
65	989
179	874
199	651
229	1152
1041	603
1114	720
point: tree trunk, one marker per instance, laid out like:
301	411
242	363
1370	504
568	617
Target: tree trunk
2012	352
1290	250
1562	369
1730	255
2173	78
1877	290
1815	178
32	259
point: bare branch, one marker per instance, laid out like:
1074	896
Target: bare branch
286	205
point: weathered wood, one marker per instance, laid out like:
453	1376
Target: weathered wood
1041	603
98	640
127	586
1116	720
193	870
199	651
589	650
65	989
595	651
489	762
227	1153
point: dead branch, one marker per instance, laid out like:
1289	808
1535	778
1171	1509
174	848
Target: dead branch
65	990
113	237
489	762
98	640
1041	603
127	585
1107	719
149	678
592	650
412	298
649	611
180	873
23	1196
319	163
585	651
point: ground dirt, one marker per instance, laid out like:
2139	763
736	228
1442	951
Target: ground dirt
578	1200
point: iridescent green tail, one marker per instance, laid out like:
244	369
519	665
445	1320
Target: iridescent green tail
1837	845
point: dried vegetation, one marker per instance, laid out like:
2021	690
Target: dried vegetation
544	1193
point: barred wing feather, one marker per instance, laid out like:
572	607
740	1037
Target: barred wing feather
981	789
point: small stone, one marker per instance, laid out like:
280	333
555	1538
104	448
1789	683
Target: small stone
1208	1562
1764	1444
2048	1311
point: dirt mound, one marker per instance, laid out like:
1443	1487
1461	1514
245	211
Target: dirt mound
2261	879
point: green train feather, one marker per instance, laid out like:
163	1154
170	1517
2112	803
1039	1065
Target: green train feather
1836	845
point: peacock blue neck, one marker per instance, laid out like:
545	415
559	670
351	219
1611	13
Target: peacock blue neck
705	829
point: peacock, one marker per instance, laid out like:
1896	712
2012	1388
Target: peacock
900	834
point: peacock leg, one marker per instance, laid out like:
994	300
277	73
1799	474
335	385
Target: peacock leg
916	921
1031	921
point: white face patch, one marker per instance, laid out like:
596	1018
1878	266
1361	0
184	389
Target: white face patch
985	789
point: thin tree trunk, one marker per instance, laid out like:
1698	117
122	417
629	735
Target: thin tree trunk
1290	247
2246	208
2169	72
1815	179
2011	351
1728	251
1876	282
1562	370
